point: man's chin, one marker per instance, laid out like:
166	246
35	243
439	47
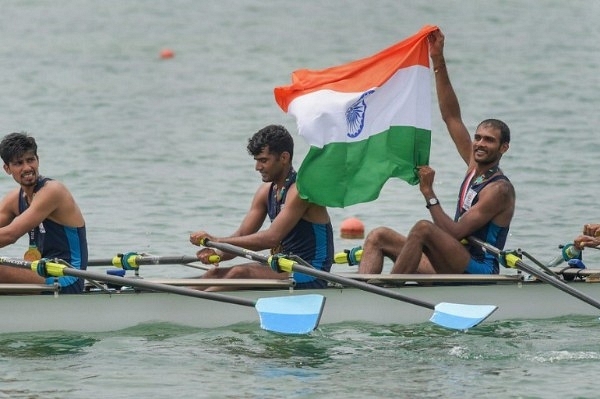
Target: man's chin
486	161
28	182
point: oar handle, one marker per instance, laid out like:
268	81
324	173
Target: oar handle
235	250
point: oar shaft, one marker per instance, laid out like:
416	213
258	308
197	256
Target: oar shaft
137	283
147	260
542	276
360	284
319	274
559	284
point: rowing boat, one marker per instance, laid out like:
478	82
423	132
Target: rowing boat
517	296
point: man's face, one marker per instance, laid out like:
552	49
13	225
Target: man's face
24	169
486	145
268	165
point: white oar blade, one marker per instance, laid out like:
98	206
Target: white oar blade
294	314
457	316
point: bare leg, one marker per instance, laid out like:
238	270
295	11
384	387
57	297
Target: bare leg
380	242
13	275
443	253
247	270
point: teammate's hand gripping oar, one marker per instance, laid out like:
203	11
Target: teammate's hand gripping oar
293	314
450	315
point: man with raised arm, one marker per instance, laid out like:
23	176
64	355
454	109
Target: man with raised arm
486	199
298	227
45	210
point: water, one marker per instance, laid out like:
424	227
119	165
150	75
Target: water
154	149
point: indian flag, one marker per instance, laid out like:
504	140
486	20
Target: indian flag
366	121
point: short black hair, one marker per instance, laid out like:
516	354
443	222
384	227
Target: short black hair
15	145
276	137
497	124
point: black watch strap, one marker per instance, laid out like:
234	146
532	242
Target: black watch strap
432	202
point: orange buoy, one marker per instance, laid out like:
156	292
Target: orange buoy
167	53
352	228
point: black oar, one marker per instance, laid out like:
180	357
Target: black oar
450	315
132	260
293	314
512	260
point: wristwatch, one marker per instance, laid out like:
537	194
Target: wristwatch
432	202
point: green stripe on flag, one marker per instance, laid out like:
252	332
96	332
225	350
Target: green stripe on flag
343	174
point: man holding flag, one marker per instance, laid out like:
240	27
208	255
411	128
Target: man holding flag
485	205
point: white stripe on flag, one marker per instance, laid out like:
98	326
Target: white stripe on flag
404	100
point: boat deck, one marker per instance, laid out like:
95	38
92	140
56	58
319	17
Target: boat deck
388	280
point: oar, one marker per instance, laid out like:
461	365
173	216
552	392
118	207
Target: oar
512	260
450	315
294	314
132	260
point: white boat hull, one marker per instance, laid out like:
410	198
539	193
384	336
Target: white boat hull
100	312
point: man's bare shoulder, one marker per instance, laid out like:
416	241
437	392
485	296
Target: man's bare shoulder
504	189
10	203
500	197
53	189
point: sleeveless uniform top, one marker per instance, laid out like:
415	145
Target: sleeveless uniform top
62	242
312	242
490	232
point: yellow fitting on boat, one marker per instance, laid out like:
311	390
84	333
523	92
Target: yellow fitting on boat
352	257
126	261
285	265
511	260
51	268
131	261
341	257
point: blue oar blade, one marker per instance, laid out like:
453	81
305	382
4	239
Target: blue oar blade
457	316
294	314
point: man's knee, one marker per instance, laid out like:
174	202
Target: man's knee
209	273
378	235
422	228
239	272
217	272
